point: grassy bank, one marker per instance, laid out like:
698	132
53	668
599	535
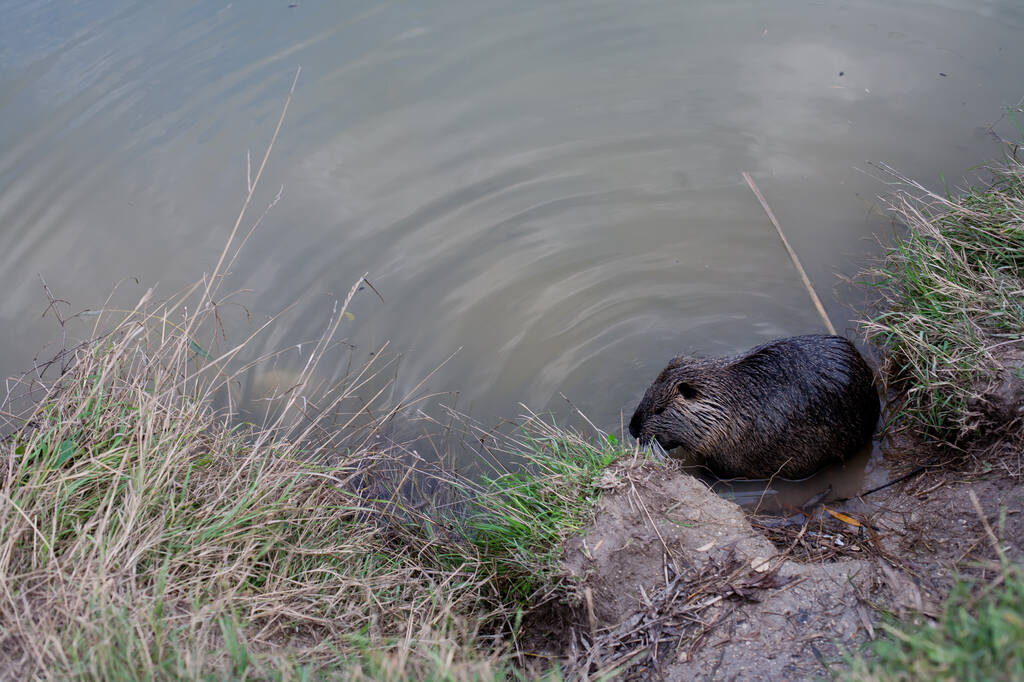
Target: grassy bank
145	535
950	320
950	327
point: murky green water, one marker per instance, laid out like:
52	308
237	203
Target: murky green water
551	189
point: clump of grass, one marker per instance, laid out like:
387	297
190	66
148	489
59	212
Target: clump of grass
950	319
145	535
521	528
978	636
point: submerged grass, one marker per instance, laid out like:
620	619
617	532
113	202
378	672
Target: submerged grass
950	318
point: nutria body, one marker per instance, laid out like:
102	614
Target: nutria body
785	408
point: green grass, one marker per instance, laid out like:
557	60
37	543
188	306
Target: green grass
978	636
950	325
520	531
951	311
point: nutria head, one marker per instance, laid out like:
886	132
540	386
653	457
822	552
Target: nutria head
683	407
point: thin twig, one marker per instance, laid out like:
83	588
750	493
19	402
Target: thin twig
984	522
252	184
792	255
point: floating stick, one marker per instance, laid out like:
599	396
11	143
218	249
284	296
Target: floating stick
792	255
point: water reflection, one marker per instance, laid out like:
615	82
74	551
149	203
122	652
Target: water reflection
552	189
833	483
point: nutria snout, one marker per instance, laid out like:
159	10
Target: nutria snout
785	408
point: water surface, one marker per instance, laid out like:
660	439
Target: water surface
553	190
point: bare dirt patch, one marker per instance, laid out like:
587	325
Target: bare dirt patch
674	583
932	528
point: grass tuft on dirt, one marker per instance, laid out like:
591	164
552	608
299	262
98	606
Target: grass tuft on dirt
529	513
950	314
978	636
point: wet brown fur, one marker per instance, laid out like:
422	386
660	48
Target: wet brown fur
785	408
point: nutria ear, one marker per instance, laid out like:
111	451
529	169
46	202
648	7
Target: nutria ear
687	391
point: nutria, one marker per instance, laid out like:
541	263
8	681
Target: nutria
785	408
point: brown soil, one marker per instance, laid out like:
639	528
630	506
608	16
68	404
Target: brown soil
932	528
676	584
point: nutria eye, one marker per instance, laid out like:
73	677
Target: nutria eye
687	391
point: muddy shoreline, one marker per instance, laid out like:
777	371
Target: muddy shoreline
676	582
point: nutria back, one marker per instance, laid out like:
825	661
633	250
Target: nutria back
785	408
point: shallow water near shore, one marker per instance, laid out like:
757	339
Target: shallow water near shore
548	197
834	483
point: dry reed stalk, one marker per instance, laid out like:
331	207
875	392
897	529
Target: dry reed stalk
792	256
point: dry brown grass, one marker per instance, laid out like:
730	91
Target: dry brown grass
950	314
145	534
